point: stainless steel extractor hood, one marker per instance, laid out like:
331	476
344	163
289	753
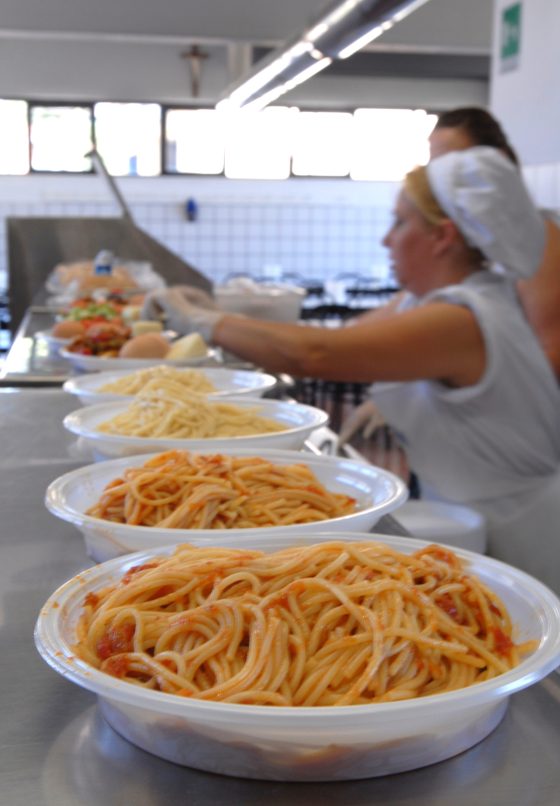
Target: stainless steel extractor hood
340	30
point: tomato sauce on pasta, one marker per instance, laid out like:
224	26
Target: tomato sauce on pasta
330	624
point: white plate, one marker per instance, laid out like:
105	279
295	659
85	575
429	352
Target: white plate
227	382
94	363
376	491
299	420
53	341
307	744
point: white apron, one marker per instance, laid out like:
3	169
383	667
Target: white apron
494	446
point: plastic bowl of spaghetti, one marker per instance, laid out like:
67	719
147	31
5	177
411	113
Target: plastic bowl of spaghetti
136	503
334	657
105	387
191	422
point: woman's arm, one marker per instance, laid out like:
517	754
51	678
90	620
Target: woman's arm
435	341
378	313
540	297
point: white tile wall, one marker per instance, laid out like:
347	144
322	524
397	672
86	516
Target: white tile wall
317	228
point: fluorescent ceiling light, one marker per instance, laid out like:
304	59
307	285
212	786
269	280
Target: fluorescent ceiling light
340	30
276	92
364	40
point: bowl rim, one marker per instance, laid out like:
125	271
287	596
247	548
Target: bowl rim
80	384
56	491
58	654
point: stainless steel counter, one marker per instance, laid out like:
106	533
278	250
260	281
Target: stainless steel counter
30	360
56	747
33	362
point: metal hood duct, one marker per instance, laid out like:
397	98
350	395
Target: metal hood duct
340	30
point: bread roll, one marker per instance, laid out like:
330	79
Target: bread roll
146	345
67	329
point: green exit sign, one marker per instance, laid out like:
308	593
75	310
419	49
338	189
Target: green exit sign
510	37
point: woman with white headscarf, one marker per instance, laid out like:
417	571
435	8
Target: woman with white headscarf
460	375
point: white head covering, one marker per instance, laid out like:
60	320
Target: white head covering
483	192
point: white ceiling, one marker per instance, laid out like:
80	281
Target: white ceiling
129	50
447	24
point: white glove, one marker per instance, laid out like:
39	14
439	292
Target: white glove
197	296
175	306
366	418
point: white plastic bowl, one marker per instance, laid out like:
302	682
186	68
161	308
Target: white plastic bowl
227	382
307	744
454	525
96	363
300	421
377	492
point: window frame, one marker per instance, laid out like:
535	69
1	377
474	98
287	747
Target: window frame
165	109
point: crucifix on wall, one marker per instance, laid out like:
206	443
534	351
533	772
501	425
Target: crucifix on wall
195	56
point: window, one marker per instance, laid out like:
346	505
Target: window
386	143
278	142
61	137
14	138
195	141
259	145
322	144
128	138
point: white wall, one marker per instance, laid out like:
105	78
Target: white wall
527	99
318	228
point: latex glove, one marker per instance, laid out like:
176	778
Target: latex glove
179	313
366	418
196	296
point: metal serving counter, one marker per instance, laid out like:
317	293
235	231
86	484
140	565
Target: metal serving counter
56	747
30	360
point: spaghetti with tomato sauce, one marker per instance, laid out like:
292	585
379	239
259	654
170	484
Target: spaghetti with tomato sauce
182	490
329	624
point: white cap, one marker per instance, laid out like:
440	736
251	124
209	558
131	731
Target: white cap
483	192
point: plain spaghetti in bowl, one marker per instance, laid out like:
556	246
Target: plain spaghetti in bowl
143	502
331	659
215	382
152	425
180	414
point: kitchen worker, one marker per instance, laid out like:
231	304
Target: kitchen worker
460	375
539	294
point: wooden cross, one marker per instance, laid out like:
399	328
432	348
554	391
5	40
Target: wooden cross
195	57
